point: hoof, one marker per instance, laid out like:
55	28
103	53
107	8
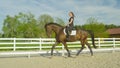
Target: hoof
50	57
73	56
69	56
92	55
77	54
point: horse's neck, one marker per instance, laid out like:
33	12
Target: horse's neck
57	29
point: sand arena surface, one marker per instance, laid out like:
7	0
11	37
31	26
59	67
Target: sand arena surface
99	60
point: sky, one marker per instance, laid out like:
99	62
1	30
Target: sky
106	11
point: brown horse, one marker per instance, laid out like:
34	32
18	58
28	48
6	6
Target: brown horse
60	36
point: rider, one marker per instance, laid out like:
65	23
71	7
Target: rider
70	25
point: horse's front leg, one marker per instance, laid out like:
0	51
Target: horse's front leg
56	43
65	45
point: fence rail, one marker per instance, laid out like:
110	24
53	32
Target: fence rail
41	44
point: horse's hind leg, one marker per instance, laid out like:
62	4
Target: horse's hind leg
56	43
82	43
89	48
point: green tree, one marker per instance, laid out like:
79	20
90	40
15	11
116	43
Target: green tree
25	25
21	25
97	27
42	20
60	21
28	27
10	25
111	26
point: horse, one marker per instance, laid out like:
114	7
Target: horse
81	35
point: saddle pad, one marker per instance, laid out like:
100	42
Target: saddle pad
73	32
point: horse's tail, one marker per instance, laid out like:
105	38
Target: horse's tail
92	37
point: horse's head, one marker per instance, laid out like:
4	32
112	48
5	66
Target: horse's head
48	30
52	27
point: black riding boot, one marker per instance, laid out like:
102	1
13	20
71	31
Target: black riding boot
67	36
67	32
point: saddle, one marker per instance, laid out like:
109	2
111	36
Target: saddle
72	32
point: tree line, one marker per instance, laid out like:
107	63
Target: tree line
99	28
25	25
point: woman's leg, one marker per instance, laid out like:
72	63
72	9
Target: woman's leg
67	32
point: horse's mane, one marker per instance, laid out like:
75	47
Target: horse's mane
53	24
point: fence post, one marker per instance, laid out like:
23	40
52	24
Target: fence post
99	42
63	50
14	45
113	45
40	47
113	42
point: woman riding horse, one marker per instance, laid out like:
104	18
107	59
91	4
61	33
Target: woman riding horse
70	25
81	35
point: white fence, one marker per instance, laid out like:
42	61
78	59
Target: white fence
42	45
